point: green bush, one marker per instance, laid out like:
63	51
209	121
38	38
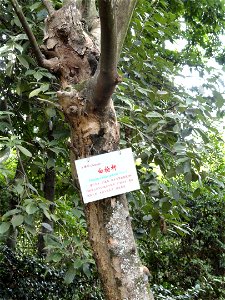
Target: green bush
191	266
25	277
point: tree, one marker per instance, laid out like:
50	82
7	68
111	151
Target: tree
88	78
158	119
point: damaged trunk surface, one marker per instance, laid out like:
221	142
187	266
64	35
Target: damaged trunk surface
71	45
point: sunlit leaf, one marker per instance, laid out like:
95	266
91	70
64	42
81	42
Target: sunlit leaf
24	151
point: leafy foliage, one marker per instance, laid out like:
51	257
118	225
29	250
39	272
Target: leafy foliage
26	277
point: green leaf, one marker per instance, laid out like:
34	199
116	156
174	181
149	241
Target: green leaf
162	92
70	275
56	257
47	226
38	75
50	163
126	100
78	263
4	227
181	230
203	135
183	159
4	154
20	37
188	177
175	194
43	206
54	217
4	49
11	212
44	87
31	229
154	114
52	241
50	112
194	176
46	213
23	61
180	148
3	112
17	220
143	91
154	231
86	269
35	93
32	188
29	220
35	6
24	151
9	68
219	99
31	208
77	212
171	173
196	193
166	206
19	189
19	47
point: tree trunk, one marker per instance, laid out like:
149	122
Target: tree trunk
71	49
114	249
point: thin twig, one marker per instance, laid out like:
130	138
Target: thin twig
39	56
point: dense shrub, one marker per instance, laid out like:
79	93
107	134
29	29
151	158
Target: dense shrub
191	266
24	277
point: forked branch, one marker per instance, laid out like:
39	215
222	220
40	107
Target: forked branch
115	16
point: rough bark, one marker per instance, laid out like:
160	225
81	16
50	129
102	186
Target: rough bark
72	39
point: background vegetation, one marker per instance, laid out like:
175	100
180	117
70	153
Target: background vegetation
175	133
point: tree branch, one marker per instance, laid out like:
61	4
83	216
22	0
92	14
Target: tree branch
107	13
125	10
26	27
107	77
115	16
49	6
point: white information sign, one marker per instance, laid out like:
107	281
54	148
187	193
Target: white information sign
107	175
